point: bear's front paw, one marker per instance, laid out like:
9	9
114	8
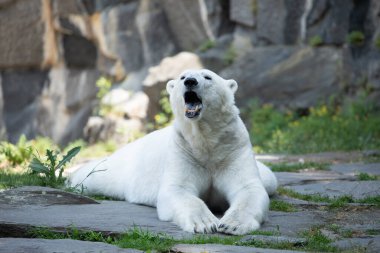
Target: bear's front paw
237	225
198	222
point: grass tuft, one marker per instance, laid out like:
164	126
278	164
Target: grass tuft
282	206
296	167
367	177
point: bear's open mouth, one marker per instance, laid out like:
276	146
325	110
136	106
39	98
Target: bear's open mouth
193	104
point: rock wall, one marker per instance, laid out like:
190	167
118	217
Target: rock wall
293	53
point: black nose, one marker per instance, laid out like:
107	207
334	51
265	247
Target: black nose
190	82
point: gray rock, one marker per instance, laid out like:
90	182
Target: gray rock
21	18
188	23
119	35
73	94
272	75
330	20
3	131
152	24
292	223
357	190
21	101
19	245
79	52
356	168
117	129
42	196
278	22
243	12
214	58
108	216
359	219
296	241
290	178
370	244
218	248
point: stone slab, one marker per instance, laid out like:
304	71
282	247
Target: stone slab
358	189
16	217
44	196
356	168
292	223
291	178
109	216
296	241
18	245
370	244
218	248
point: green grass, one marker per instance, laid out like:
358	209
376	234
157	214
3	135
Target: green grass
144	240
296	167
373	232
333	202
282	206
11	180
354	125
367	177
267	233
317	241
296	195
207	45
315	41
355	38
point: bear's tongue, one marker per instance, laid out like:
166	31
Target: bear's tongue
193	104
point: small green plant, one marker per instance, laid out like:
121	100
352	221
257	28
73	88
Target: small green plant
104	86
366	177
356	38
207	45
50	166
165	117
317	242
315	41
281	206
16	154
230	55
377	42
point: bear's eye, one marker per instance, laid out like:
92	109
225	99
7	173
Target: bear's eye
182	77
208	77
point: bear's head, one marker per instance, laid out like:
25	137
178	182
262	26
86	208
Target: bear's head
196	94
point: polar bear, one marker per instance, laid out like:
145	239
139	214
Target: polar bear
202	162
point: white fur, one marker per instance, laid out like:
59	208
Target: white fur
192	166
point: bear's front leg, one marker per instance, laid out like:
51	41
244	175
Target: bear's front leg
248	199
186	210
178	197
248	210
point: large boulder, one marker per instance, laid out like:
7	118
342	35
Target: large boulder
118	35
21	34
67	103
168	69
243	12
152	26
2	124
188	22
21	92
330	20
278	21
296	77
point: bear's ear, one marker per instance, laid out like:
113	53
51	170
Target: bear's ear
170	86
232	85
